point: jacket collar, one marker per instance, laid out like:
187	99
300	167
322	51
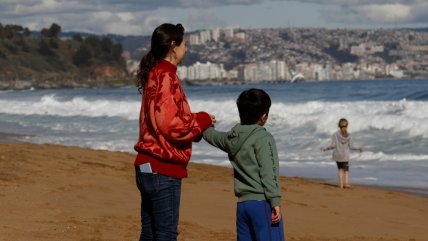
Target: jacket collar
164	64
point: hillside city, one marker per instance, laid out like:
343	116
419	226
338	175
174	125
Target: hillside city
236	55
52	59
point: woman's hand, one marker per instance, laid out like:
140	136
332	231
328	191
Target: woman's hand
213	120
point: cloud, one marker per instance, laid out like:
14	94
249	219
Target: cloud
374	11
108	16
102	16
200	20
123	23
385	13
419	12
216	3
38	7
354	2
137	17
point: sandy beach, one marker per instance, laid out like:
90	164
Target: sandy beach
51	192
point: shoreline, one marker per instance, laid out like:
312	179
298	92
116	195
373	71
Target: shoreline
416	191
12	137
420	192
20	138
24	86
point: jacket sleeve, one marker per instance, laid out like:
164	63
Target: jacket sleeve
172	114
333	143
267	158
352	146
216	138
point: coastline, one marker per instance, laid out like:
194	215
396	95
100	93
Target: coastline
20	85
21	138
11	137
74	193
421	192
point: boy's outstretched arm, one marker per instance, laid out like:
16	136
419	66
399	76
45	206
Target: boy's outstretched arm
215	138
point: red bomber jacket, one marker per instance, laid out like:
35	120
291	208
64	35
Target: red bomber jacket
167	126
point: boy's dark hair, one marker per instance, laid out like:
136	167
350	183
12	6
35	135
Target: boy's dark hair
252	104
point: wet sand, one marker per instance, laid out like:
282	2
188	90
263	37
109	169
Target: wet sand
51	192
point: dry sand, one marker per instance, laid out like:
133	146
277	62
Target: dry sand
50	192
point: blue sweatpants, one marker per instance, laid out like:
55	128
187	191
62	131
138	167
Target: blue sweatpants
254	222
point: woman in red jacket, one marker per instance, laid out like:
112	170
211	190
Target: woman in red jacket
167	130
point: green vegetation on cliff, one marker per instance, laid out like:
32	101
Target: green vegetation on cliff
44	60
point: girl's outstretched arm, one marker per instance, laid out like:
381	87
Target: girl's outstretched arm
332	145
352	146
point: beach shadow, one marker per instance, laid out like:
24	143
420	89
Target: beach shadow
330	185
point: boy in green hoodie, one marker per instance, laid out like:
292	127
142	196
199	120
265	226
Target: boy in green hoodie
252	152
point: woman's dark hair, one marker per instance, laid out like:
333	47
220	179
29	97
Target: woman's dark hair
161	42
252	104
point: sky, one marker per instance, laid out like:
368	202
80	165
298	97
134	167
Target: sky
140	17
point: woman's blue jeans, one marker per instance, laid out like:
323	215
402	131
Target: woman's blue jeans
160	203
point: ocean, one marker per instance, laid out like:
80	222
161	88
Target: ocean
388	118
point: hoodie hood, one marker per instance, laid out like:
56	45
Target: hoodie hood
341	138
239	134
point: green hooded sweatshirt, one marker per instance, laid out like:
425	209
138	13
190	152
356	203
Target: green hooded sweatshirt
252	152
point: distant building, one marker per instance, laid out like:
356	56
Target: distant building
394	71
366	49
228	32
201	71
205	36
215	34
240	35
194	39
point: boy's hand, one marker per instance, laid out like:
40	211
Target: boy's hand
276	214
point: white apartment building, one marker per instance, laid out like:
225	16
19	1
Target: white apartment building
215	34
273	70
240	35
201	71
394	71
205	36
253	72
201	37
280	70
320	72
228	32
194	39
